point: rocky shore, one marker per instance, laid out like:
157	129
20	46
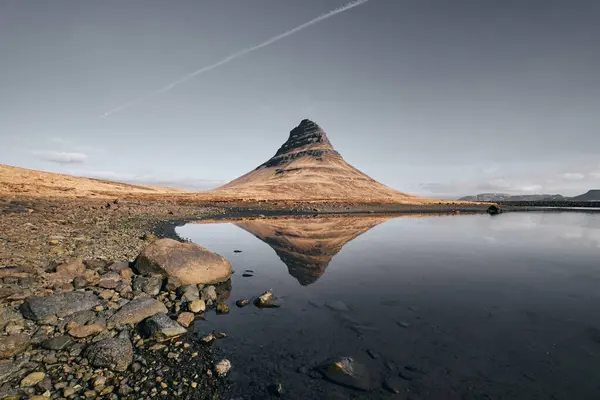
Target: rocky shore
80	319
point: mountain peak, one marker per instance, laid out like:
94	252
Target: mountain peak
307	139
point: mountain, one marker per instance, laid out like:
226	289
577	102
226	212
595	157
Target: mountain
508	197
592	195
15	181
307	167
307	245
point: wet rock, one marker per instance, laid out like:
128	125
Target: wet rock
32	379
392	385
57	343
112	353
83	331
209	293
222	308
338	306
186	319
197	306
347	372
60	304
136	311
242	303
189	293
247	275
266	300
188	262
237	251
110	280
160	327
373	354
13	344
222	367
150	285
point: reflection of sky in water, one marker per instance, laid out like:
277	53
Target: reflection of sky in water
490	302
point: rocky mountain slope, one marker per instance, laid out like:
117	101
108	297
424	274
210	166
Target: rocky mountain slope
307	167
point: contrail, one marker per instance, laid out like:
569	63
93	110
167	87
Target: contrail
234	56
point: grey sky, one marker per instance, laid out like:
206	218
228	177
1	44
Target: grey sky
432	97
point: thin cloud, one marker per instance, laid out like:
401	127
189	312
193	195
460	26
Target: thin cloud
234	56
61	157
573	176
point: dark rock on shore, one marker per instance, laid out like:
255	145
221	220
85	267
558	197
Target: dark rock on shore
57	343
111	353
60	304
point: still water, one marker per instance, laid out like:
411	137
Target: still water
442	307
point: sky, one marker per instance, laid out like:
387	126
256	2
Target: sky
436	98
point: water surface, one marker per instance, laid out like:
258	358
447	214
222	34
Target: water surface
484	307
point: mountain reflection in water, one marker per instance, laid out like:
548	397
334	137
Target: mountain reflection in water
307	245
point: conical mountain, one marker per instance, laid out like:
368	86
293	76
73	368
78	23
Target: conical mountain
307	245
307	167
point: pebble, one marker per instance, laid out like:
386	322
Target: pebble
222	367
32	379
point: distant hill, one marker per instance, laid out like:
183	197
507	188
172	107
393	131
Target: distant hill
592	195
508	197
17	181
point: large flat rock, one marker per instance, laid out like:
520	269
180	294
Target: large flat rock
60	304
190	263
136	311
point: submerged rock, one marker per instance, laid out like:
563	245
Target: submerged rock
339	306
136	311
266	300
242	303
347	372
160	327
60	304
111	353
222	308
190	263
222	367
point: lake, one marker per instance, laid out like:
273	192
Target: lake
437	307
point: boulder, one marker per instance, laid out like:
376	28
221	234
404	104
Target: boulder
13	344
347	372
60	304
494	210
160	327
111	353
190	263
136	311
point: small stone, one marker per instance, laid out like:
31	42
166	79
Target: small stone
194	385
172	283
99	382
13	344
109	280
80	282
32	379
346	371
208	338
266	300
111	353
83	331
222	367
222	308
150	285
275	389
157	347
107	294
135	367
68	392
172	355
242	303
186	319
197	306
